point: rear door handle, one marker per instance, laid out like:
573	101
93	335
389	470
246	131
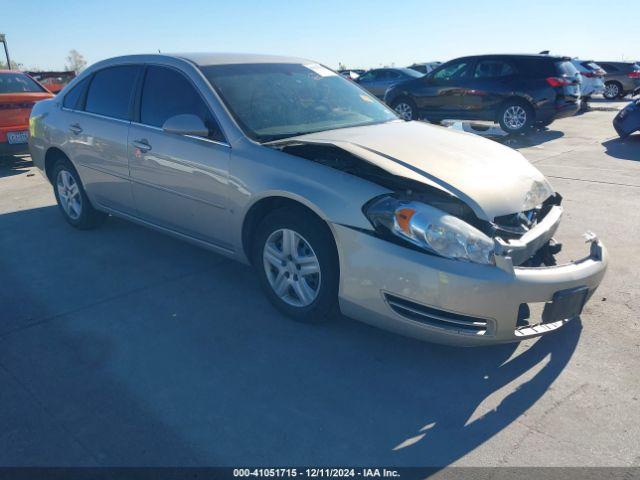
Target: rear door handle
142	145
75	128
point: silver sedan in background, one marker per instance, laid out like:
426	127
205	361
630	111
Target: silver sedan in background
336	202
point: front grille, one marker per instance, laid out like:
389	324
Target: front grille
514	225
435	317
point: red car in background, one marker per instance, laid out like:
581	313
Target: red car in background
18	93
53	81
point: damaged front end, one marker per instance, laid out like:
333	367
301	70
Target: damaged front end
405	215
510	259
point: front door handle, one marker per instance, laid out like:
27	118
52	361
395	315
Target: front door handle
142	145
75	128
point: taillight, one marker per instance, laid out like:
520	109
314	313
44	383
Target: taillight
558	81
634	74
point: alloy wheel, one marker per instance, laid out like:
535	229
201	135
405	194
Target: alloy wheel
611	90
404	110
292	267
515	117
69	194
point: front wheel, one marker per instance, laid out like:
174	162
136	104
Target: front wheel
515	117
405	108
296	259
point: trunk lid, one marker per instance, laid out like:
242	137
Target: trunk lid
15	108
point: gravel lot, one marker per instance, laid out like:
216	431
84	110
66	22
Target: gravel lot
121	346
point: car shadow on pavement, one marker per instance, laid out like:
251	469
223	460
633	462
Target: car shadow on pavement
152	352
14	165
624	149
532	138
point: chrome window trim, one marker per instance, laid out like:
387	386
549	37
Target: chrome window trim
195	137
98	115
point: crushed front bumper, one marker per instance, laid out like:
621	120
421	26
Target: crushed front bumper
448	301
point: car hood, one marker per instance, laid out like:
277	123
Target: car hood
492	179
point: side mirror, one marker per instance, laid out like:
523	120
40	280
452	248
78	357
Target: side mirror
186	124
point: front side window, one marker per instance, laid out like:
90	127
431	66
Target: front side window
493	69
452	71
18	83
110	91
166	93
271	101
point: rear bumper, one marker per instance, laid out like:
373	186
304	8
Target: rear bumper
9	149
392	287
627	121
18	149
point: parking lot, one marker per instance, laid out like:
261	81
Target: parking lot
122	346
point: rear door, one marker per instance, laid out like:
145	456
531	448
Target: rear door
98	127
179	182
441	93
493	80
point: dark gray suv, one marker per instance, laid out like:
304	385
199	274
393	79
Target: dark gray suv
621	78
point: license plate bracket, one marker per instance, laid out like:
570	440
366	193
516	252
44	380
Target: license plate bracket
565	304
14	138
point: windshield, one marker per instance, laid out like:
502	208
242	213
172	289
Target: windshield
272	101
411	72
18	83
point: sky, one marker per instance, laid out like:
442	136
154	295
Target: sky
359	34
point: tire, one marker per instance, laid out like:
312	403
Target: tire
312	238
612	90
406	108
72	199
515	117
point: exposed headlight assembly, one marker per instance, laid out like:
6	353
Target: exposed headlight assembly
431	229
537	194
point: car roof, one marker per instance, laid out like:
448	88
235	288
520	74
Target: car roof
519	55
211	58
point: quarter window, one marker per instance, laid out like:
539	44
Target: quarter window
166	93
72	98
110	91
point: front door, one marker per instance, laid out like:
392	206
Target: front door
179	182
442	93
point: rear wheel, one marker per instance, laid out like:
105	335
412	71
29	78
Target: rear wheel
612	90
405	108
296	259
515	117
72	199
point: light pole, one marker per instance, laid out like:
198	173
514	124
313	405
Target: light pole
3	39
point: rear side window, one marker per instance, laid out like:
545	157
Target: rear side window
18	83
536	67
608	67
110	91
493	69
166	93
72	98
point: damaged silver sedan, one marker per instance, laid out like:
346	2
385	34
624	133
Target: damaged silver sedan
337	203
